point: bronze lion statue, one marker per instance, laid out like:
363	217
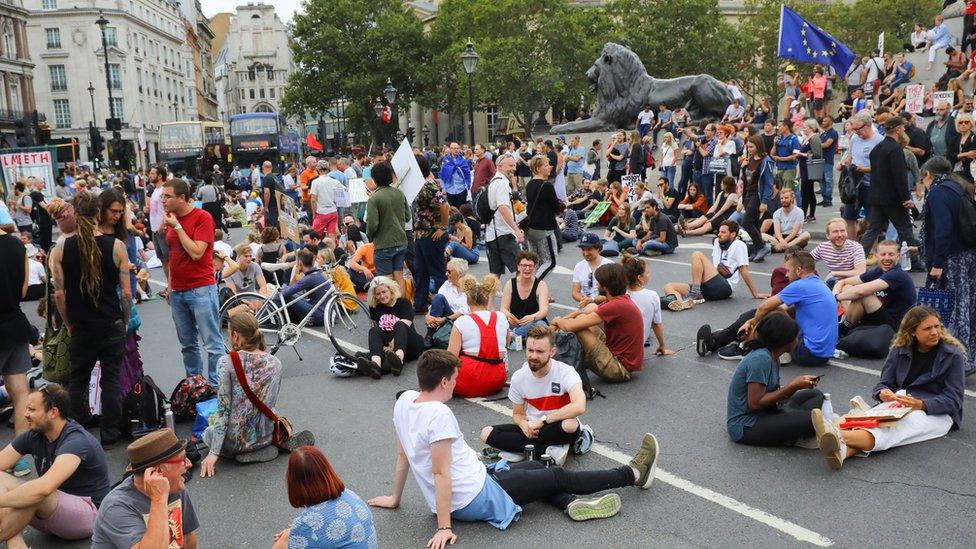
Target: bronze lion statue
623	88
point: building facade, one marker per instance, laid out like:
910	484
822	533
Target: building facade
150	70
16	71
199	41
252	67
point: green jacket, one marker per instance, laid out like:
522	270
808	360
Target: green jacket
386	213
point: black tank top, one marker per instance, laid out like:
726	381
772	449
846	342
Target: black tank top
528	306
83	313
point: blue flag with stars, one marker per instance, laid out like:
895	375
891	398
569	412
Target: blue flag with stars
803	41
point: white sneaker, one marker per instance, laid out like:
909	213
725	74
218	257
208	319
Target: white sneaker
558	453
511	457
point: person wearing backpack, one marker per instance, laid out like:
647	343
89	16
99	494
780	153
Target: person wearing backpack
21	206
502	233
949	258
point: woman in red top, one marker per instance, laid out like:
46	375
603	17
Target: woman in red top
694	204
480	339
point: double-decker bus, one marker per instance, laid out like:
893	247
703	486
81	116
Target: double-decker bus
193	146
259	136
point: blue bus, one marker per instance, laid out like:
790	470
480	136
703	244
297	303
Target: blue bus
259	136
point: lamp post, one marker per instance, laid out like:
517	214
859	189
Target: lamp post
92	126
426	135
102	23
469	59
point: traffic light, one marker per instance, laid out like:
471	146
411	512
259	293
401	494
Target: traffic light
321	129
20	130
411	133
97	144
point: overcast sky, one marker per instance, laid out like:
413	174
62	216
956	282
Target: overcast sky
285	8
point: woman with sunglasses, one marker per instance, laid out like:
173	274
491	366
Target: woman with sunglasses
967	143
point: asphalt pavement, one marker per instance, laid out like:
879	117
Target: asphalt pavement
708	492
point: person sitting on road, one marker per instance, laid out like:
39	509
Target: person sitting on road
456	485
450	302
307	279
525	312
237	429
844	257
813	306
325	503
480	340
462	240
717	279
547	402
272	249
585	287
150	507
694	204
656	232
580	200
598	193
72	474
881	295
569	227
924	372
760	411
249	278
393	339
621	230
724	206
362	267
647	301
787	224
616	351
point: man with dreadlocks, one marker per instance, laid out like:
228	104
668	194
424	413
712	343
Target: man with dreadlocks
88	271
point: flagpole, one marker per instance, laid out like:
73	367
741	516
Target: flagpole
779	42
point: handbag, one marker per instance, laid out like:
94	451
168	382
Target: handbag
440	338
282	427
55	364
815	169
719	165
935	296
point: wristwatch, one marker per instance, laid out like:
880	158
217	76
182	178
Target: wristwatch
545	420
178	227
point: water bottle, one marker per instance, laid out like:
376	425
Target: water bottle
168	417
827	408
517	341
906	259
547	460
529	452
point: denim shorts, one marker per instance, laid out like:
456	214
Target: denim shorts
388	260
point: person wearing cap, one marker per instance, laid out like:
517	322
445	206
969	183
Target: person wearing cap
888	197
150	507
322	200
586	289
72	474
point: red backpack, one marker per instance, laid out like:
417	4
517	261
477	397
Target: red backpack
188	392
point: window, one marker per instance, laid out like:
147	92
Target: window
111	37
243	94
62	113
252	93
270	73
272	92
261	93
492	114
115	76
117	107
59	80
53	37
251	75
9	48
49	4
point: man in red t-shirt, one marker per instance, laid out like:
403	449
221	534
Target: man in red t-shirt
617	350
192	287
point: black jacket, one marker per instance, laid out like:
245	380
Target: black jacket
951	137
889	174
543	205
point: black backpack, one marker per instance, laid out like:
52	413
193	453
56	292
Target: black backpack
848	186
142	408
967	216
485	213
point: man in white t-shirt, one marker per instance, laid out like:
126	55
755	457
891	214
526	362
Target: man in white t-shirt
729	254
644	120
734	113
787	224
586	289
456	485
502	234
548	400
322	196
220	245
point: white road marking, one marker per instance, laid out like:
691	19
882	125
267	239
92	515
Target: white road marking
789	528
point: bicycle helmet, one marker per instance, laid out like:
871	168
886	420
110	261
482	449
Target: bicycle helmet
342	366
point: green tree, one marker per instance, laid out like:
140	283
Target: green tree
347	49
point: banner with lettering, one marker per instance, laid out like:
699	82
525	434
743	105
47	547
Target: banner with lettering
37	162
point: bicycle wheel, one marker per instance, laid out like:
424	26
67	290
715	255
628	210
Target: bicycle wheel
269	316
347	324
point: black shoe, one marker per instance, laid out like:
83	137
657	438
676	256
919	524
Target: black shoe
394	362
704	340
732	351
420	311
367	367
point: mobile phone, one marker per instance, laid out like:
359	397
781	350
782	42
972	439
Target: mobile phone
817	378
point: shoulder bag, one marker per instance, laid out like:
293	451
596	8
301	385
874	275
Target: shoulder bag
282	427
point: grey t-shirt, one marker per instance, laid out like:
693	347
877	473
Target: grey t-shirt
124	514
788	220
90	479
621	149
21	217
207	193
246	281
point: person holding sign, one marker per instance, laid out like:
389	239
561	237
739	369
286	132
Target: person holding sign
322	199
924	372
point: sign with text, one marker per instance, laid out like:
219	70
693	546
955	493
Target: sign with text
943	96
288	217
409	179
25	163
914	98
357	190
341	198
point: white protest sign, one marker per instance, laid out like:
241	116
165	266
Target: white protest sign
629	183
914	98
357	190
409	179
881	42
943	96
341	198
22	165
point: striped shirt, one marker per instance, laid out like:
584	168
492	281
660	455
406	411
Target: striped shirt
844	259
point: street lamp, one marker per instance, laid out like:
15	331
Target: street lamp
426	135
378	108
93	127
102	23
469	58
389	92
91	93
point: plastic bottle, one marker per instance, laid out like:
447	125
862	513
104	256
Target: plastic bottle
827	408
168	417
529	452
517	340
906	259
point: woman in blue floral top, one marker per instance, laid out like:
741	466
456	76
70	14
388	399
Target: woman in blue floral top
332	516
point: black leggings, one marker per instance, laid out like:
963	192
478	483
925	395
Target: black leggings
750	221
404	337
531	481
785	424
510	438
721	338
808	197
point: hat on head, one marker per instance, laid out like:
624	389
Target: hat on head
589	240
156	447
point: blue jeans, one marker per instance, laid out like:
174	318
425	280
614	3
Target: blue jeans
686	173
523	331
300	308
827	187
643	129
439	307
195	315
429	267
708	186
389	259
657	245
803	357
458	250
669	171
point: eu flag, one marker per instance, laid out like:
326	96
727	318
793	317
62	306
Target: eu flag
803	41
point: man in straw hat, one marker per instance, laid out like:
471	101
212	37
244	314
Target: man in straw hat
150	507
